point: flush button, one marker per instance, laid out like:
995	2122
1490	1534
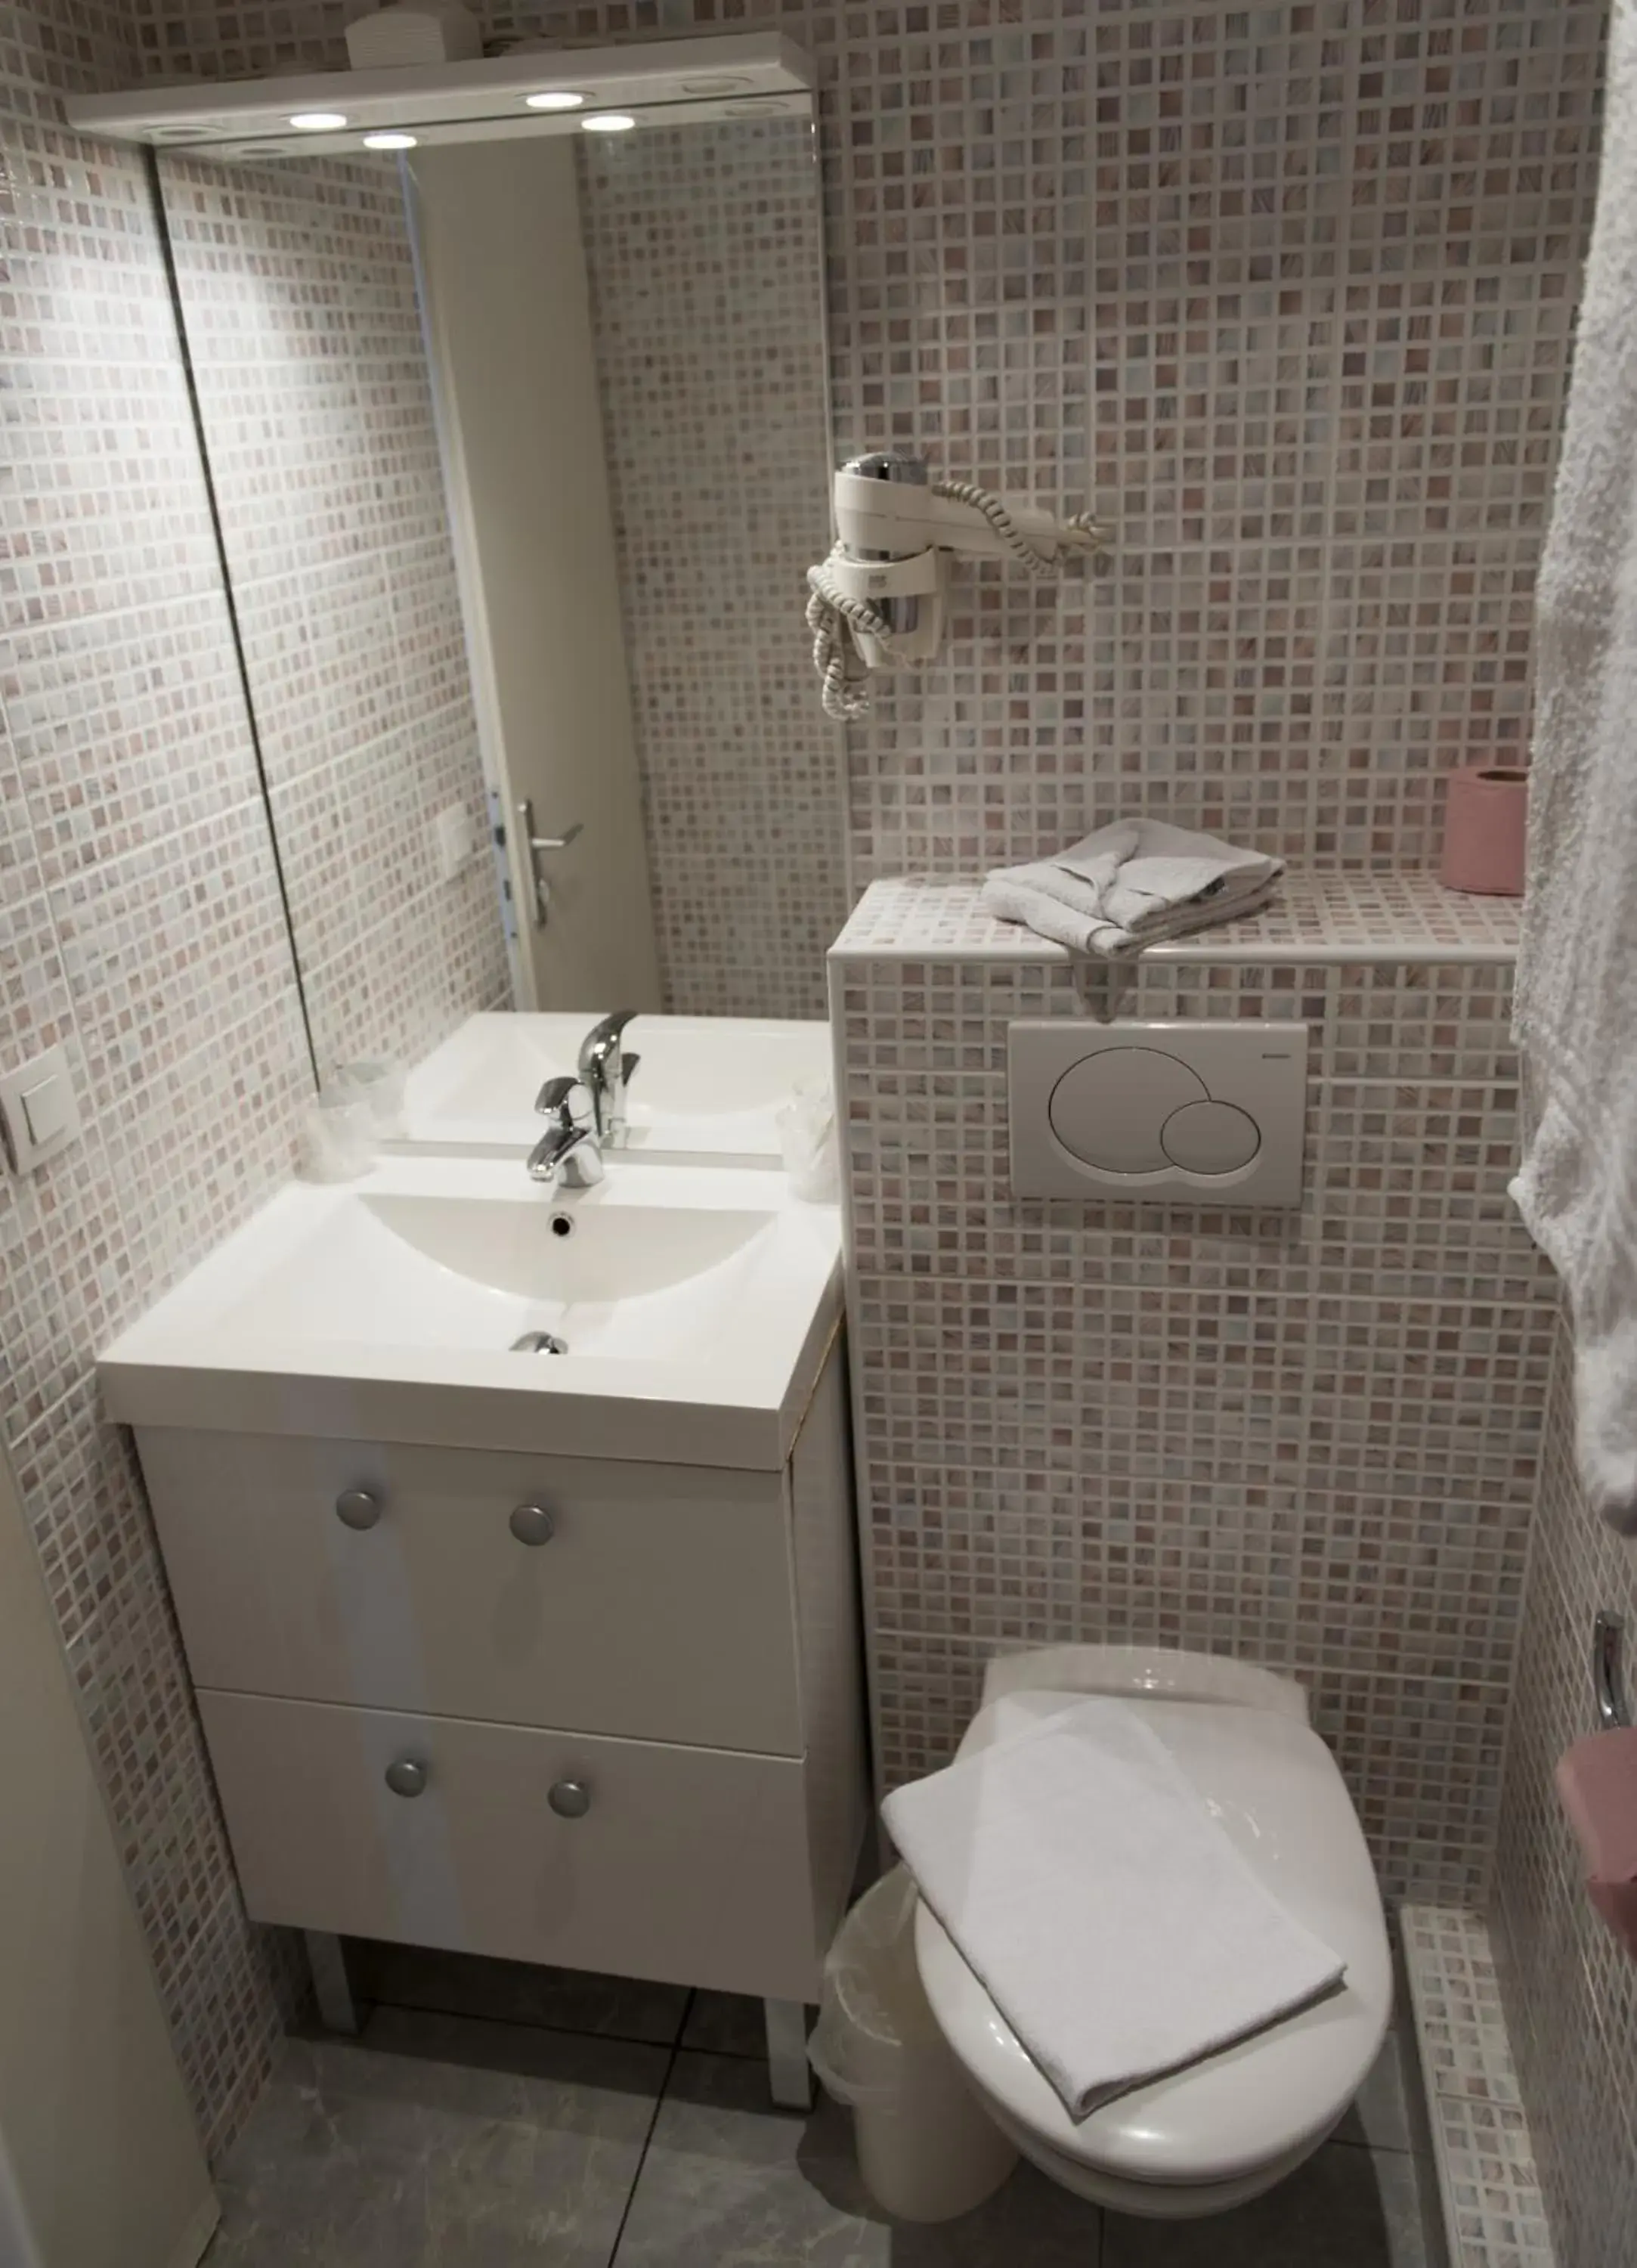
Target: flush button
1110	1108
1168	1110
1210	1137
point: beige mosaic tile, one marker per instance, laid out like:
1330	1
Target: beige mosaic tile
1286	293
141	926
1493	2210
297	291
127	784
1568	1991
1335	918
1309	1439
705	270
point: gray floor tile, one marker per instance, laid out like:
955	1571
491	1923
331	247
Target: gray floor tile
514	1991
1379	2116
728	2183
726	2023
439	2144
1345	2208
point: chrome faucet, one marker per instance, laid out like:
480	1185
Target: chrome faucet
607	1072
568	1154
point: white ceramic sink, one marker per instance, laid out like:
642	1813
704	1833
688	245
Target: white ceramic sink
704	1085
694	1310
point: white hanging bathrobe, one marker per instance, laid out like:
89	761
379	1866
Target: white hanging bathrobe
1576	1011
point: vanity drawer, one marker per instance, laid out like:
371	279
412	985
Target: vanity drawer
689	1864
652	1600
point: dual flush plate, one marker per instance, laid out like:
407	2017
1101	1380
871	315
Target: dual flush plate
1173	1110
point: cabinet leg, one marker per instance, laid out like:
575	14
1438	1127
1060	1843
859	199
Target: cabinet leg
789	2074
327	1960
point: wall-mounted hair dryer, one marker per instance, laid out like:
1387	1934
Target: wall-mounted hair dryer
877	602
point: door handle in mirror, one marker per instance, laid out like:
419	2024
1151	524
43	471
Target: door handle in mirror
534	846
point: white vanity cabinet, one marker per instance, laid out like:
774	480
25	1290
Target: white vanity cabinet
593	1712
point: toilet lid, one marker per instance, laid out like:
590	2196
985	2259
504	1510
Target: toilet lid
1275	1788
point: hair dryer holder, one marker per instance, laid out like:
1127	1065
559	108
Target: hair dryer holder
876	583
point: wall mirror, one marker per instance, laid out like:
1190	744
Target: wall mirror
519	452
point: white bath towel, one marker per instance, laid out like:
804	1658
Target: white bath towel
1109	1917
1130	885
1576	1010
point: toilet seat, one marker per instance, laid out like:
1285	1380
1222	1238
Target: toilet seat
1235	2123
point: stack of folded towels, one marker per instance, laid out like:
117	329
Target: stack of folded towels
1108	1915
1130	885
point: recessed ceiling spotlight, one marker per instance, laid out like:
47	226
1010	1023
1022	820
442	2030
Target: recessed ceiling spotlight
705	86
608	122
318	121
390	141
556	98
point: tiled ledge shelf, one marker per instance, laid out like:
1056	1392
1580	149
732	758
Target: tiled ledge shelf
1315	918
1494	2214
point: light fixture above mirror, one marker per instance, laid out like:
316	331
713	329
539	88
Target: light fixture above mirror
597	89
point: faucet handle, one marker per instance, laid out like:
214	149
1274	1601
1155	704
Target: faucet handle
568	1100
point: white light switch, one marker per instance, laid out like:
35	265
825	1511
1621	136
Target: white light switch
37	1109
1181	1112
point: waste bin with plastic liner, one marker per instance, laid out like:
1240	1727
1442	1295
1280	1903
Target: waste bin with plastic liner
927	2149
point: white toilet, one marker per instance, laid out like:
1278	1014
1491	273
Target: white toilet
1220	2133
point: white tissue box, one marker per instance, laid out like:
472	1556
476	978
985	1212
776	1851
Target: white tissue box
432	32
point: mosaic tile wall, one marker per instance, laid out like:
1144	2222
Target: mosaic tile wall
1310	1439
1286	290
299	294
140	925
702	246
1570	1994
1287	293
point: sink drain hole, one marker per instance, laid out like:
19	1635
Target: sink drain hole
540	1342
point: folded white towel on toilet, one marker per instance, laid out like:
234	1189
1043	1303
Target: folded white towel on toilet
1131	885
1108	1916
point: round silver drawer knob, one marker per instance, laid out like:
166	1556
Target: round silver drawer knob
406	1776
570	1799
357	1508
531	1523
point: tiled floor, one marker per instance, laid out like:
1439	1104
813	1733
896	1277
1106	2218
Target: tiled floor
498	2117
